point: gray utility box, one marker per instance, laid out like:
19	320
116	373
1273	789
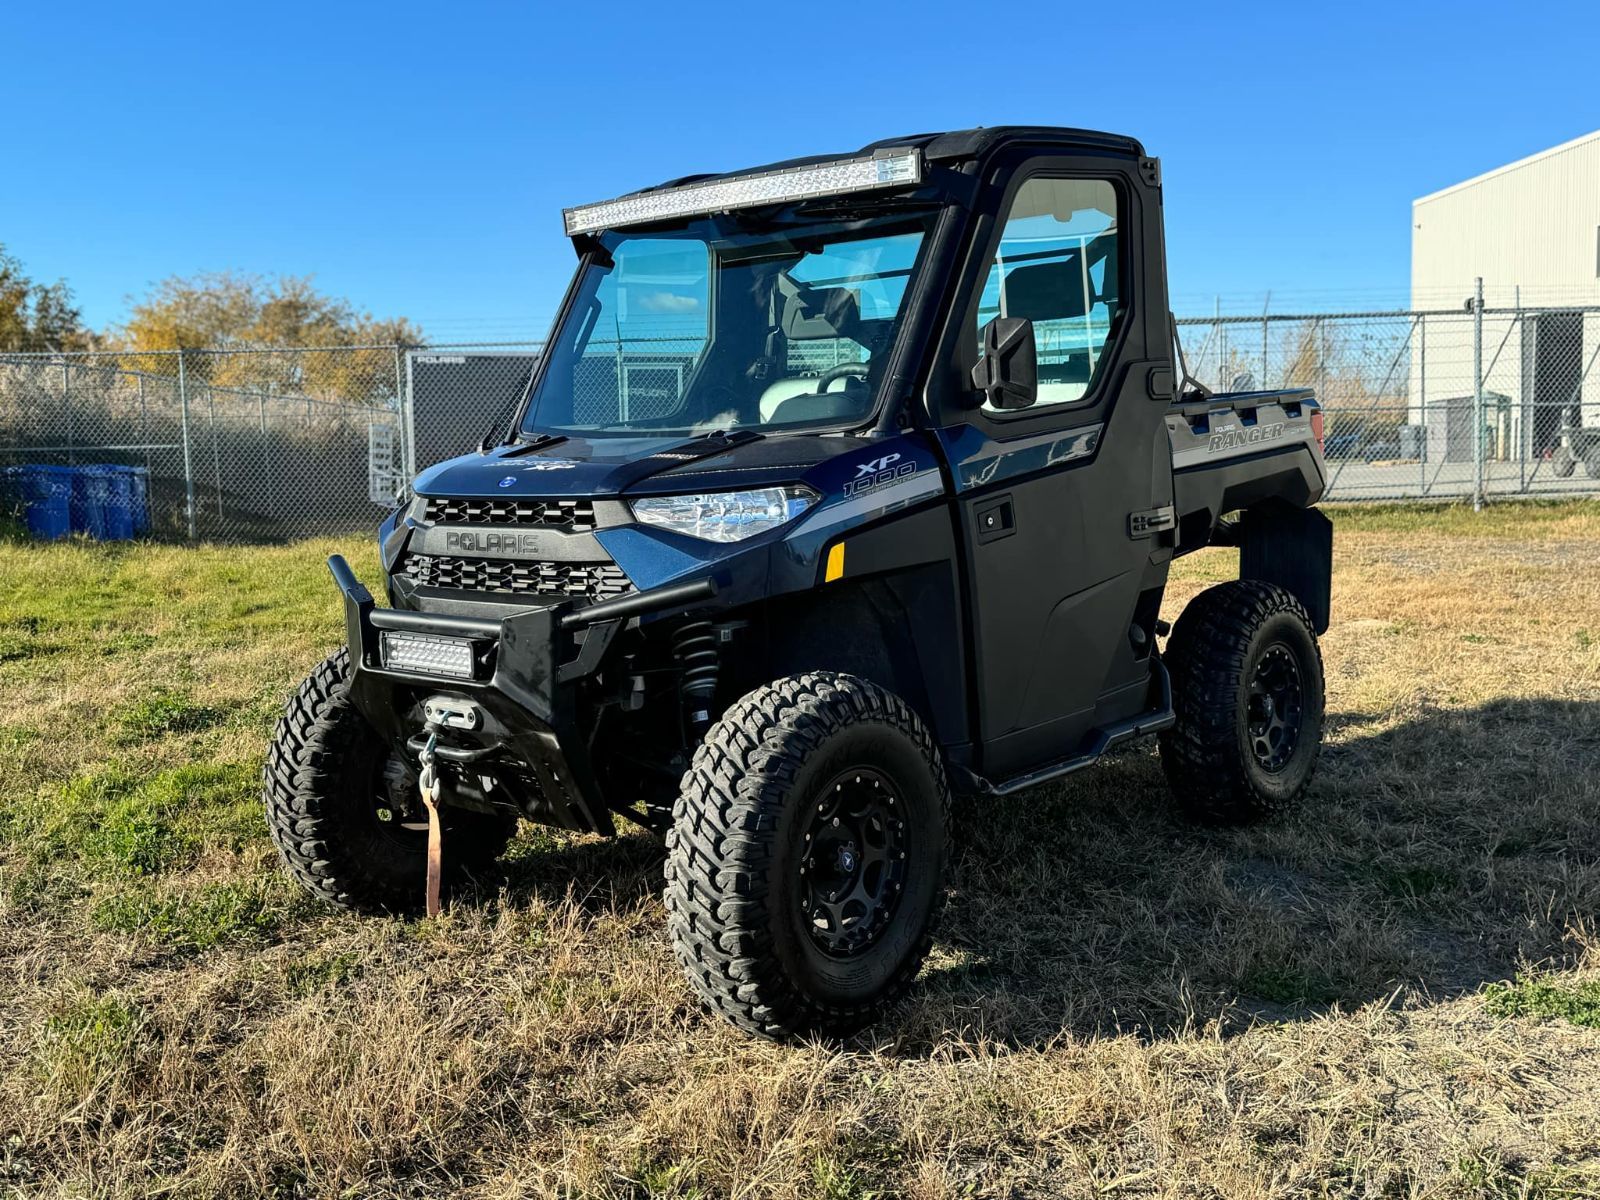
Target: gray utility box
456	396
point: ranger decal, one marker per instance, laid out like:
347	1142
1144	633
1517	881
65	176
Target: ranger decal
1233	439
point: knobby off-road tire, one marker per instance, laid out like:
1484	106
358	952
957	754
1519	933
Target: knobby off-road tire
330	812
1248	691
793	774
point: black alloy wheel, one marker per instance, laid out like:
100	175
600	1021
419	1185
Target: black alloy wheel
855	861
1275	707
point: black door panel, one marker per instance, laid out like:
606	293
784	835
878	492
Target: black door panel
1054	579
1053	600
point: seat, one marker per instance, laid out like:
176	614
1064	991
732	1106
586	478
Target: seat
796	401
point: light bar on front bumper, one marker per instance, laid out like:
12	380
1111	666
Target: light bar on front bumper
887	169
428	654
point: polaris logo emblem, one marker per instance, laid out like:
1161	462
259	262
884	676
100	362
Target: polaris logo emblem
877	473
1235	438
491	542
508	481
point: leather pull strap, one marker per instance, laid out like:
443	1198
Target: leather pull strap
435	855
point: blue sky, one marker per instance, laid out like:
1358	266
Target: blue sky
415	157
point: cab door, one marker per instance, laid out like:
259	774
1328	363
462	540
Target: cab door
1060	504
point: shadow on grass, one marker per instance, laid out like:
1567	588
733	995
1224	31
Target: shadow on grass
597	875
1429	858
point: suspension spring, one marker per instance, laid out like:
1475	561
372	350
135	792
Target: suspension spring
694	646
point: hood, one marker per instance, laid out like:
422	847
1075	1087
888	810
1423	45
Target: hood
611	466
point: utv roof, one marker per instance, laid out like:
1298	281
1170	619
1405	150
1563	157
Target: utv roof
950	146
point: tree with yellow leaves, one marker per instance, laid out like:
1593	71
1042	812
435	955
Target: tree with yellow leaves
288	315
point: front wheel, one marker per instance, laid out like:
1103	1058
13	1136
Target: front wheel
1247	689
806	854
341	810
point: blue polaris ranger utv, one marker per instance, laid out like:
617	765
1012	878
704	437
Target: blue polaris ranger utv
843	484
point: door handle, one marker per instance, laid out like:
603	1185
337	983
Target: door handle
1152	521
995	519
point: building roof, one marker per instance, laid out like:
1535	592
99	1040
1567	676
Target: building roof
1563	148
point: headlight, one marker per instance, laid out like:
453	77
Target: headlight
726	516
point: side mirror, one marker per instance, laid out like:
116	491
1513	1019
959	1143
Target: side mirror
1007	373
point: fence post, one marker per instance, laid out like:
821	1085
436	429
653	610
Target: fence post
1216	330
1322	363
216	457
144	428
266	455
402	410
1265	374
1477	397
66	404
188	459
1422	397
1524	418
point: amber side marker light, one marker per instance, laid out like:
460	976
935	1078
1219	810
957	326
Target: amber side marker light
835	568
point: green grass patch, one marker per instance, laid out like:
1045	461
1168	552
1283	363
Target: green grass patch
120	823
160	714
660	1176
1527	997
91	1040
1416	881
20	640
317	972
214	915
1284	983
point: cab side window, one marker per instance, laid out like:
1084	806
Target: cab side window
1058	265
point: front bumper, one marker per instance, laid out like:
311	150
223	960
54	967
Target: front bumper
530	753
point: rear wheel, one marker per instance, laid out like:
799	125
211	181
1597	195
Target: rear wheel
1248	692
805	859
1562	464
341	810
1591	461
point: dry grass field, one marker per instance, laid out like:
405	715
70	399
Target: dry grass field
1393	992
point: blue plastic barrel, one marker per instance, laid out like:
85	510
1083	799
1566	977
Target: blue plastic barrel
44	493
91	498
119	504
139	483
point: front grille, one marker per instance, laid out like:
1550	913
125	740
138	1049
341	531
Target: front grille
596	581
575	516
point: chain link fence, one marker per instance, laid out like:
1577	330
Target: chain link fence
239	445
272	444
1468	403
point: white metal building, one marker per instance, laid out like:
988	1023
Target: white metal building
1533	224
1531	231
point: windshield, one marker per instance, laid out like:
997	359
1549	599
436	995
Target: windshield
729	324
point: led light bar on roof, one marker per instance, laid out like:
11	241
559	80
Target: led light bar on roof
894	168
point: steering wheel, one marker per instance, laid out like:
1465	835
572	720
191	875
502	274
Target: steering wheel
842	371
